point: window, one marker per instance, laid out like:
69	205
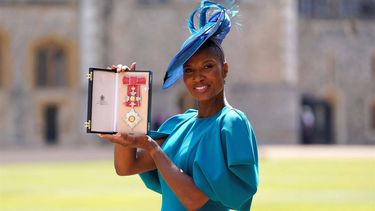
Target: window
333	9
318	8
367	9
152	2
50	66
305	7
1	65
347	8
325	9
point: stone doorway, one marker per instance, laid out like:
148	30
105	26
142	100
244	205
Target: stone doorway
51	135
316	121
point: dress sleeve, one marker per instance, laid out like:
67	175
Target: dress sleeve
226	164
151	178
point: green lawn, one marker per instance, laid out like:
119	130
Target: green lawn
284	185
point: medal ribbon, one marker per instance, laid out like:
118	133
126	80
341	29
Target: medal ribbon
133	90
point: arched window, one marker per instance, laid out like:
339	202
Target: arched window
50	66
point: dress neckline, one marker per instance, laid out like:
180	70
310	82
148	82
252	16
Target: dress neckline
213	115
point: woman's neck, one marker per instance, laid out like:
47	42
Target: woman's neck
210	107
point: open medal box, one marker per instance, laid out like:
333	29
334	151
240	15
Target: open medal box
118	102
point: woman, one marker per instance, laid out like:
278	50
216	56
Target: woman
208	160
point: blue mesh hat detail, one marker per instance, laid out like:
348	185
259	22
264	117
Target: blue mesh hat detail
216	28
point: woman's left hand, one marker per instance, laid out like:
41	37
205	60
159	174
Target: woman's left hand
123	68
133	140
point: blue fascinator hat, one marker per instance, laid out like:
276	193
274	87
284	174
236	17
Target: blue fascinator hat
215	28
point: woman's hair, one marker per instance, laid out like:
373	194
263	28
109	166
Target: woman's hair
215	47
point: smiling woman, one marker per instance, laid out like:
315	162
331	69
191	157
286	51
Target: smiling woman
208	158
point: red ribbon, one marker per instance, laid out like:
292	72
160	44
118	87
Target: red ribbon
133	82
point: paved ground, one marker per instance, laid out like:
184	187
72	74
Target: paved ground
59	154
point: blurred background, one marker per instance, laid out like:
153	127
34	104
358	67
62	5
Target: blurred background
302	70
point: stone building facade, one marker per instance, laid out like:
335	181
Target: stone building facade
273	57
39	107
337	68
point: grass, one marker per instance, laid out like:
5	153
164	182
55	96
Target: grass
317	185
285	185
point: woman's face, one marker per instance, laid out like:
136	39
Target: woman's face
204	75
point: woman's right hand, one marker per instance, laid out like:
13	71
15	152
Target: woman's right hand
123	68
128	159
133	140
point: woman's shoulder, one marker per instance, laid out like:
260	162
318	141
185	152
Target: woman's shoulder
175	121
183	116
234	115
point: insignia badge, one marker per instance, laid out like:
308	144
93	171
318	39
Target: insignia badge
133	98
132	118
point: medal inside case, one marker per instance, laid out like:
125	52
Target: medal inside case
119	102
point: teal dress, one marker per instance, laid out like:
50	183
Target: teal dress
218	152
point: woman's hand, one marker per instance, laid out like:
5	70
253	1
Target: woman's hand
132	140
133	152
123	68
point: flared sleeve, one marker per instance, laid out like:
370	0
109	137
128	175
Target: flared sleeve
226	164
151	178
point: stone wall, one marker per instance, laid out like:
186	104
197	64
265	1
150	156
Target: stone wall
335	64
